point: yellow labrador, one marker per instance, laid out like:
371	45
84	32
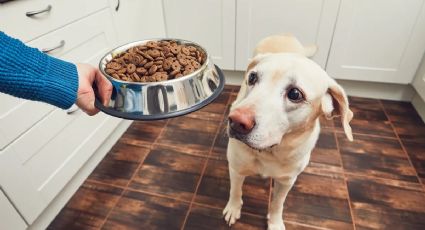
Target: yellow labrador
274	121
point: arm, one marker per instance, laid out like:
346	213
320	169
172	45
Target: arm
28	73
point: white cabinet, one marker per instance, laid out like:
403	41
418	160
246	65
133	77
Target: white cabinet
41	160
311	21
137	19
211	23
10	218
380	40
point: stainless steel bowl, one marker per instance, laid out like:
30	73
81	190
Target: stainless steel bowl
166	99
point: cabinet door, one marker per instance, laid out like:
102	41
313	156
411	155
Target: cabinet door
210	23
381	40
311	21
13	19
137	19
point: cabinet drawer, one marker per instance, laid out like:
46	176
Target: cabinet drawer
85	41
17	116
13	19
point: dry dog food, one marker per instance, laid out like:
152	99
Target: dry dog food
155	61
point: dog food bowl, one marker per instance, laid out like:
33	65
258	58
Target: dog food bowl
165	99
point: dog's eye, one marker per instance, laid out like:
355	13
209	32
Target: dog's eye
252	78
295	95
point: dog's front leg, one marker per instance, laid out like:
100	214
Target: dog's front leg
232	211
280	191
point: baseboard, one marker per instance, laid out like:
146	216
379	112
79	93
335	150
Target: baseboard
353	88
59	202
419	105
378	90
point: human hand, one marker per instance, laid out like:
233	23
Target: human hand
87	75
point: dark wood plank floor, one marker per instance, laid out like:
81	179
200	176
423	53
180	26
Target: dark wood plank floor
173	175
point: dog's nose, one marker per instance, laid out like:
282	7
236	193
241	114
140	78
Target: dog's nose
242	120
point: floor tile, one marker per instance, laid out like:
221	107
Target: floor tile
143	133
189	133
232	99
169	172
377	128
88	208
300	226
369	118
410	132
219	105
401	112
416	152
220	145
325	123
142	211
367	109
211	218
119	164
375	156
325	155
319	200
215	185
377	205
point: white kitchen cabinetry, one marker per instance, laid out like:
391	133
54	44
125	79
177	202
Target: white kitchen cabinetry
380	40
43	155
137	19
211	23
311	21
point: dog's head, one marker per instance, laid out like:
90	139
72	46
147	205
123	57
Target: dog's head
283	93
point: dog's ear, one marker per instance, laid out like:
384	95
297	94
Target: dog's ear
335	104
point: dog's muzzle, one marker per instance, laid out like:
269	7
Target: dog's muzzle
241	121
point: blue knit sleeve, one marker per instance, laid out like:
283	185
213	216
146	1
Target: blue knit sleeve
28	73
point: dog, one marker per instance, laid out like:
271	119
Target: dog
273	124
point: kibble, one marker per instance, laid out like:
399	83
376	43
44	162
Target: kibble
155	61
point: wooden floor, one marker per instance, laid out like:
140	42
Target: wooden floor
173	174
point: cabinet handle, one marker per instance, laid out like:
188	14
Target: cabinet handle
118	6
49	50
72	110
35	12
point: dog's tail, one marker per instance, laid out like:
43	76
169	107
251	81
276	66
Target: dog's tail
310	50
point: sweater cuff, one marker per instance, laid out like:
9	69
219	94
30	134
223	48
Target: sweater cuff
61	83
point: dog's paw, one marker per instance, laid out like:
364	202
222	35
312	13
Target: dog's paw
232	212
275	222
277	226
